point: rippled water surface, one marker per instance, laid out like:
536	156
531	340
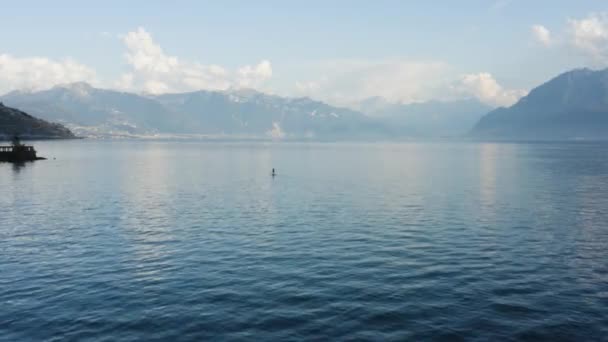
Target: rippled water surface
195	241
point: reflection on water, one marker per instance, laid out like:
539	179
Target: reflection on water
498	172
487	187
17	167
147	223
147	240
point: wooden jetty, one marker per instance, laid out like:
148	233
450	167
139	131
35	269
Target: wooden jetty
18	152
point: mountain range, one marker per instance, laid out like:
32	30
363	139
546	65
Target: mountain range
99	112
427	119
570	106
90	111
573	105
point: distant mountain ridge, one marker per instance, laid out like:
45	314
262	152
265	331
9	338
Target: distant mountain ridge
245	112
428	119
15	122
573	105
93	112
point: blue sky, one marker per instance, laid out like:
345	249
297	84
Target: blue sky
338	51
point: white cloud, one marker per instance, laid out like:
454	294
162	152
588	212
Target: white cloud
587	36
252	76
345	82
36	73
590	35
156	72
341	82
542	35
125	81
485	88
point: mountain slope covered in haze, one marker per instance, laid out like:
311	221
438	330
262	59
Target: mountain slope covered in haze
14	121
92	111
573	105
246	111
428	119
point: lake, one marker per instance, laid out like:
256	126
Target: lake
190	240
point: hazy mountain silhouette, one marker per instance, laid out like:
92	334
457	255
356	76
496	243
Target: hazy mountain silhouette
14	121
427	119
571	105
246	111
91	111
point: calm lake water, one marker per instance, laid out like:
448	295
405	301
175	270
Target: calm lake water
148	240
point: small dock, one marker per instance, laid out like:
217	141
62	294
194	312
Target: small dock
17	152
